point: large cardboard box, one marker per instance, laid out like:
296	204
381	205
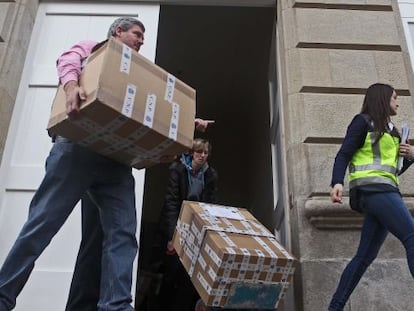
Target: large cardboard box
233	260
135	112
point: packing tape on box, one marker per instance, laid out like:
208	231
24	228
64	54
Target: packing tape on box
125	59
270	272
243	266
129	100
229	224
259	265
213	255
200	236
281	249
222	211
195	231
247	225
229	263
169	88
265	246
150	105
188	252
153	154
175	117
219	293
106	133
214	224
204	283
230	280
261	228
211	219
226	239
202	262
211	273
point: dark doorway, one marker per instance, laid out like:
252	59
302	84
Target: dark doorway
222	52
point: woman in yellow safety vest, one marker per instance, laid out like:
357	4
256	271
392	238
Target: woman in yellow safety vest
371	150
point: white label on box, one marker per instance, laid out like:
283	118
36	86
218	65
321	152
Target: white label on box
169	88
211	273
175	116
226	238
204	283
266	247
150	110
230	250
248	227
187	251
216	259
202	262
129	100
222	211
126	59
195	230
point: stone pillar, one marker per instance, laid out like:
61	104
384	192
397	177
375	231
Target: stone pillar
16	23
330	52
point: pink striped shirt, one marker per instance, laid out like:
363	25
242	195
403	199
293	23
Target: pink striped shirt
70	63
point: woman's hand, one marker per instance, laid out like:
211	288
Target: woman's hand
336	193
406	151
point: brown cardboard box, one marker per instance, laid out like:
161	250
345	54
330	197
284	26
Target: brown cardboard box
135	111
231	257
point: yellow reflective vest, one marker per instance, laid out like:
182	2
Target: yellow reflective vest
375	163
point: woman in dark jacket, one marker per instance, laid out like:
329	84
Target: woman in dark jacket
191	178
371	150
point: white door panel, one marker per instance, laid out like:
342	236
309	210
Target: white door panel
58	26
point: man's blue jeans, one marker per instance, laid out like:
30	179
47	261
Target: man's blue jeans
71	172
384	212
84	288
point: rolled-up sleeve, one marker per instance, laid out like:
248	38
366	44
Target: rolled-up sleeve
69	64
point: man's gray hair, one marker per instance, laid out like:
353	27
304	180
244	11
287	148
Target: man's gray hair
125	23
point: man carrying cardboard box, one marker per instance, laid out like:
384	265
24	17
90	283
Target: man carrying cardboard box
72	172
84	291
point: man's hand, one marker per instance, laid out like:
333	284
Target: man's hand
201	125
74	94
170	248
336	193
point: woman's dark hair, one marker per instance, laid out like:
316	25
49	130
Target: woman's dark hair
377	106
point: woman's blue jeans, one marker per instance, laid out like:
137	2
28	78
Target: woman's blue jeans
384	212
71	172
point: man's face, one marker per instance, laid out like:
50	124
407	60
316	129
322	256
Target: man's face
200	156
133	37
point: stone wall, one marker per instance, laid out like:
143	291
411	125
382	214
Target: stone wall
16	23
331	51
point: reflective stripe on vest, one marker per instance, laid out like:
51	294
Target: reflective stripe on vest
375	163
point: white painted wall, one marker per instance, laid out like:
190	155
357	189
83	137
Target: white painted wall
407	14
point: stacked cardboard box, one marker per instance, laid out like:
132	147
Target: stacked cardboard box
135	112
232	259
